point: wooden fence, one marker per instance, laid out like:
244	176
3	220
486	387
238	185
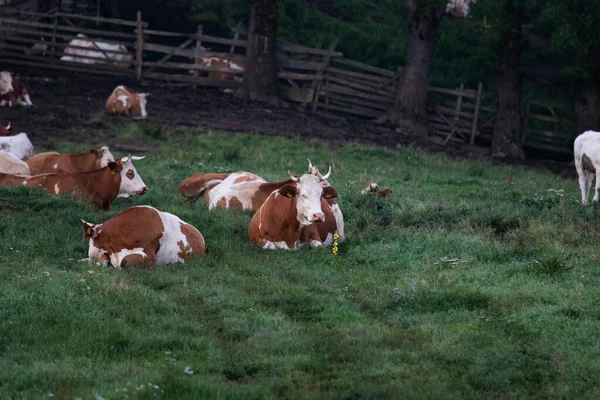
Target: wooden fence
319	77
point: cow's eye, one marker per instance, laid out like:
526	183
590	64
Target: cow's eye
130	174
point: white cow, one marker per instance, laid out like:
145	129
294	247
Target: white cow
95	50
459	8
587	162
5	82
10	164
18	145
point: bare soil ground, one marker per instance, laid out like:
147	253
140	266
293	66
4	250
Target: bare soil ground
68	106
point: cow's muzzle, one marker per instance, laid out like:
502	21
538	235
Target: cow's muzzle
144	190
318	217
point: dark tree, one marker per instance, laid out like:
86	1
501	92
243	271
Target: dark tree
506	142
410	105
260	75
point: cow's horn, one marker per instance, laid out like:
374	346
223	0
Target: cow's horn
309	164
8	127
136	158
324	177
292	177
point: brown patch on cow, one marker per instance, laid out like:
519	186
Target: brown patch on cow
200	184
587	164
196	247
130	174
138	260
235	204
12	180
222	203
44	163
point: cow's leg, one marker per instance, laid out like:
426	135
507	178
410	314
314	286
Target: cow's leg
138	260
597	187
583	182
588	185
27	99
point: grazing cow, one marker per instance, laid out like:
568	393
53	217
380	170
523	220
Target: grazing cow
5	130
9	164
279	221
245	191
100	187
587	162
53	162
12	180
96	52
127	101
143	236
19	95
18	145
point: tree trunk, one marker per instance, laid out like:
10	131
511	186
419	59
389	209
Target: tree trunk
410	104
506	142
260	75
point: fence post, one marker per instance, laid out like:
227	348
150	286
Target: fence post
140	45
476	113
236	36
54	26
197	52
459	102
321	74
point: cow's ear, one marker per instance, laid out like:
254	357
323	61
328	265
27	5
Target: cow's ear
89	230
288	191
115	167
329	192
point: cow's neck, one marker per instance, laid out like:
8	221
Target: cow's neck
267	188
84	160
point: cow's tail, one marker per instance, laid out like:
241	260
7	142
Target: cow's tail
195	186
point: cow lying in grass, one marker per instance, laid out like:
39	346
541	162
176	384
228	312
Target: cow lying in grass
128	102
12	180
53	162
10	164
246	191
100	187
587	162
18	145
143	236
297	213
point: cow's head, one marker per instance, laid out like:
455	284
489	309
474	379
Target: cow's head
104	155
308	191
91	231
131	182
6	82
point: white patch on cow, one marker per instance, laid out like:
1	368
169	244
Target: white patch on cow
339	220
123	100
95	253
56	189
18	145
129	187
55	166
242	191
276	245
142	98
107	157
316	243
308	199
6	82
171	237
117	258
329	240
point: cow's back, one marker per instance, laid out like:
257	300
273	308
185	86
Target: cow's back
43	162
10	164
53	162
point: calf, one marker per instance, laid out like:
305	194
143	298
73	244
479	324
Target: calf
126	101
19	95
53	162
12	180
100	187
587	162
5	130
143	236
279	221
10	164
18	145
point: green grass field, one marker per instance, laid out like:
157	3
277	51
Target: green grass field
469	281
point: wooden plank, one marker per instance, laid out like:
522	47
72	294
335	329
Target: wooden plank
66	37
459	102
355	111
374	87
298	76
359	102
476	116
294	48
236	36
58	54
542	132
375	78
63	45
140	46
317	84
366	67
452	112
299	95
101	20
190	53
465	93
446	128
344	90
60	65
198	50
190	66
457	122
365	88
69	28
541	117
547	147
168	55
287	62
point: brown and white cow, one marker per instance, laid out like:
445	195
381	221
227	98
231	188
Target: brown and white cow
127	101
245	191
280	220
100	187
12	180
236	67
5	130
9	164
18	94
143	236
53	162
